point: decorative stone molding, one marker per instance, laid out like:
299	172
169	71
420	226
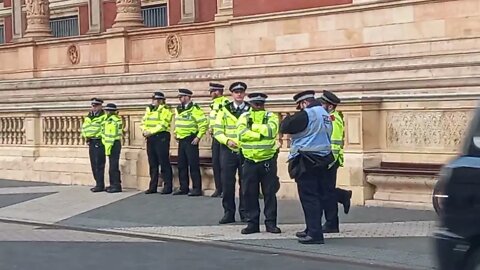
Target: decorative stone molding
73	53
129	14
95	21
18	21
173	45
189	13
38	19
426	129
224	10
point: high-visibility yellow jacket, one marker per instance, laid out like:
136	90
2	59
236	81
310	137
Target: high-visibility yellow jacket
190	121
92	125
225	127
112	131
338	136
257	133
157	119
217	104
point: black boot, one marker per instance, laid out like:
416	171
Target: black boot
251	229
97	189
273	229
226	219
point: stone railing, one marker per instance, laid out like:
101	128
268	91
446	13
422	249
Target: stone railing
65	130
12	130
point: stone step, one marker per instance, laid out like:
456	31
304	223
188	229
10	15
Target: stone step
400	204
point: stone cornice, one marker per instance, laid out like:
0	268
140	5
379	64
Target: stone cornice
320	11
286	103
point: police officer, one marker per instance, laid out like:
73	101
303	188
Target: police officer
257	132
190	126
111	138
218	102
156	129
330	102
92	132
225	131
310	155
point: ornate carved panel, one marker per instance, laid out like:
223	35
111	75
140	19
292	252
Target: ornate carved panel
173	45
443	130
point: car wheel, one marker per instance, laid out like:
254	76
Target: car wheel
473	261
436	200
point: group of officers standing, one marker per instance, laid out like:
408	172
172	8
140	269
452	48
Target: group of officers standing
244	143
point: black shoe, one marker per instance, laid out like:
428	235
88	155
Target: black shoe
97	189
250	229
180	192
308	240
347	203
216	194
273	229
195	193
166	191
227	219
114	189
150	191
301	234
327	229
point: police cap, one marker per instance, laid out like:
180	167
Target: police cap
184	92
158	95
304	95
238	86
96	101
257	98
330	97
110	107
216	87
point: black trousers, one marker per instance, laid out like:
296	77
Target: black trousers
217	177
189	161
96	152
312	186
262	174
114	165
330	198
158	152
231	163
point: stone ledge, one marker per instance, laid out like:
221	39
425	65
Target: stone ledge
399	204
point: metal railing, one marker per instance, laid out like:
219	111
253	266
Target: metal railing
155	16
64	27
2	34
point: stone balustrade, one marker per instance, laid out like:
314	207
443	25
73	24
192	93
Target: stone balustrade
12	130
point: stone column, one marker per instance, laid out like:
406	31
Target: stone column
18	22
188	8
129	14
225	10
95	8
38	19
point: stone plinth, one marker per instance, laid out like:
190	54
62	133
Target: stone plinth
38	19
129	14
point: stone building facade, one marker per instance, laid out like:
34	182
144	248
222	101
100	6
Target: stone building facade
405	69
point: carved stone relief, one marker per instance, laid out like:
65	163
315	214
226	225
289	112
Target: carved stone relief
173	45
426	129
73	53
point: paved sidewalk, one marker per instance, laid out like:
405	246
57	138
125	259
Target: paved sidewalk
372	235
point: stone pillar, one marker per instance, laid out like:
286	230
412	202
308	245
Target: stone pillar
188	8
225	10
129	14
38	19
18	23
95	10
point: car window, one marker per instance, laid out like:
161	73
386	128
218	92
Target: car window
472	139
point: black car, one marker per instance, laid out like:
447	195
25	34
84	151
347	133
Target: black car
456	199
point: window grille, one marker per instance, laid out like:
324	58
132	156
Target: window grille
2	34
155	16
64	27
